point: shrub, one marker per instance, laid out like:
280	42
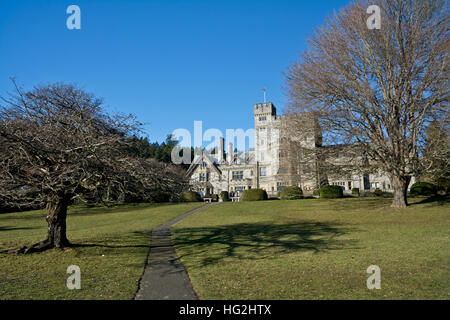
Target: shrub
443	185
331	192
224	195
190	196
316	192
208	195
215	197
254	195
291	193
355	191
159	197
378	192
423	189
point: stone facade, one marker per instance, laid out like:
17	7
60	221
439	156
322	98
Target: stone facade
266	166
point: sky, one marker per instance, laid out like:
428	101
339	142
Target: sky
168	62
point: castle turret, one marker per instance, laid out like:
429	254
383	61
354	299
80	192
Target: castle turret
230	152
221	150
266	131
264	109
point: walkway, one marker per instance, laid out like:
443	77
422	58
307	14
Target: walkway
164	276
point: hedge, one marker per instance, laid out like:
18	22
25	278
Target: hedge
443	185
190	196
378	192
224	195
331	192
423	189
291	193
355	191
254	195
159	197
316	192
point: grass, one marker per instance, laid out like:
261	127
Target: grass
317	249
112	247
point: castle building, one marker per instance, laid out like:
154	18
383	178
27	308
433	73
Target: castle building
268	166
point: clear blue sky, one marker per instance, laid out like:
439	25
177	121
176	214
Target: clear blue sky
168	62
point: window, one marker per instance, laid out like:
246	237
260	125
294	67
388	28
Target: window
375	185
204	177
262	118
281	186
239	189
283	170
282	154
262	156
262	172
238	175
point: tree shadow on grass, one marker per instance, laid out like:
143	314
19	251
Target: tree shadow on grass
16	228
111	244
130	240
108	247
211	245
30	215
103	245
439	200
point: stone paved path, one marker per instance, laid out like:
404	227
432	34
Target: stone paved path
164	276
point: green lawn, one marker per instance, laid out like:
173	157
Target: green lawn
113	244
317	249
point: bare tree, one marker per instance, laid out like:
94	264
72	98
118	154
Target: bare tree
437	153
378	89
301	152
58	144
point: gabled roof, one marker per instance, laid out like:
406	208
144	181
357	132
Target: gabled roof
247	157
199	159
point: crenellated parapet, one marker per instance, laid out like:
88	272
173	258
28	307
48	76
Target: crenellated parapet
267	108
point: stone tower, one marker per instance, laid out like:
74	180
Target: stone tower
267	134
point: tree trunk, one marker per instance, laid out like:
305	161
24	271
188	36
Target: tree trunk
56	220
56	231
400	187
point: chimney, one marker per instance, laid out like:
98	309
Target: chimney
230	152
221	150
